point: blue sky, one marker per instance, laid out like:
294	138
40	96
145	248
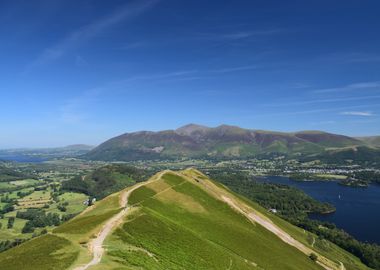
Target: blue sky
85	71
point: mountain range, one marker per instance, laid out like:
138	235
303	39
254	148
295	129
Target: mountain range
196	141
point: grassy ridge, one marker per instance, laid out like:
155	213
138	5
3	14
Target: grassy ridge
175	235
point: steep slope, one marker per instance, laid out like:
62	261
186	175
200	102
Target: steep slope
220	142
143	145
176	220
327	139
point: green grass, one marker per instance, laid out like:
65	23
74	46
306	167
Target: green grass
24	182
48	252
172	179
38	195
14	232
13	194
182	239
75	201
82	225
5	185
140	194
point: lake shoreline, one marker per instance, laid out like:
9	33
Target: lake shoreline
352	205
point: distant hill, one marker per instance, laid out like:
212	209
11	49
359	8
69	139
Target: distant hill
76	147
106	180
178	220
220	142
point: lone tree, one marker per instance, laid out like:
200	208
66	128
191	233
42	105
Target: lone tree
313	256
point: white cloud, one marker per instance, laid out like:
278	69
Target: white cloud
357	113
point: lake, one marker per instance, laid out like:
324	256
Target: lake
357	209
22	158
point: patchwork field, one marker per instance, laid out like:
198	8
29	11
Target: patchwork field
42	199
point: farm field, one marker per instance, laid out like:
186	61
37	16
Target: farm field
38	192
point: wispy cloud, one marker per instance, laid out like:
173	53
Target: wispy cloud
248	34
135	45
358	113
234	69
239	34
354	86
158	76
318	101
313	111
75	110
327	122
87	32
352	57
300	85
192	74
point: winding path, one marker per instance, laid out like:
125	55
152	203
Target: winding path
96	245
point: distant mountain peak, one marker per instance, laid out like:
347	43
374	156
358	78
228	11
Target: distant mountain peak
228	127
191	128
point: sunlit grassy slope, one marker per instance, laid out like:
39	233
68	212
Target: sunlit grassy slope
178	220
181	223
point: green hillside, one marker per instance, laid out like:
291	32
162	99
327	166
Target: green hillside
373	141
178	220
224	141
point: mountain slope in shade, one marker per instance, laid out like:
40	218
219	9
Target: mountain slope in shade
177	220
219	142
